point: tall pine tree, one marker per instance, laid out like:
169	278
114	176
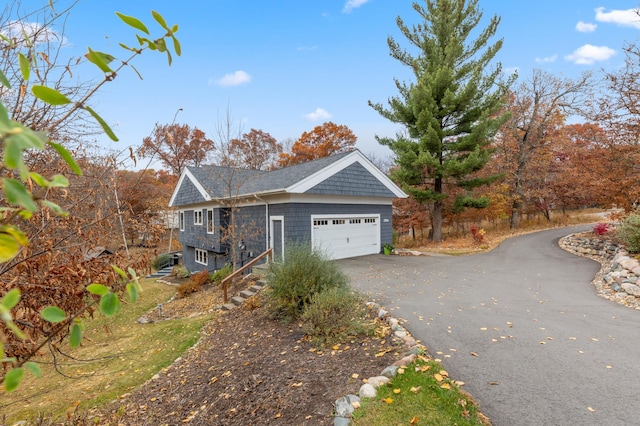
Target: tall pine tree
452	109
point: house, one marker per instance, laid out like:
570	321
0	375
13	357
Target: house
340	204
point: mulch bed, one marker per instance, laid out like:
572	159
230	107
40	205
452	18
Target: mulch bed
248	369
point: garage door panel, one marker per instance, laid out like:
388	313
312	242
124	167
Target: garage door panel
346	237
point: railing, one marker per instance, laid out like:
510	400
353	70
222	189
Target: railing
166	259
241	270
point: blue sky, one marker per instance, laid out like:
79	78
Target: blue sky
286	66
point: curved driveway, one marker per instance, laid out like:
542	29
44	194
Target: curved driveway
521	325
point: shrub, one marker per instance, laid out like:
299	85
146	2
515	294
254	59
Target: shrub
334	315
601	228
304	273
629	232
180	271
195	283
159	260
221	274
478	234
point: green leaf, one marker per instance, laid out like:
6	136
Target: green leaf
162	45
133	22
11	299
24	66
160	20
67	157
4	80
13	154
14	328
98	289
103	123
75	335
169	57
102	60
49	95
39	179
53	314
132	290
58	181
120	272
176	46
132	273
16	233
33	368
12	379
109	304
59	211
18	195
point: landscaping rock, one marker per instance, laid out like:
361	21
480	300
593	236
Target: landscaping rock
344	406
405	361
341	421
390	372
367	391
378	381
631	289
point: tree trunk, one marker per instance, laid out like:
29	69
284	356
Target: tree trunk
437	221
514	222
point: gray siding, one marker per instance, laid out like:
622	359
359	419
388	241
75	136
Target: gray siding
250	222
354	180
297	218
188	194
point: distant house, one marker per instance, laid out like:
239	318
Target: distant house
340	204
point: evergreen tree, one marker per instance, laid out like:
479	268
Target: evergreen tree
452	109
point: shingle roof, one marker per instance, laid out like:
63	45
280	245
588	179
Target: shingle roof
222	182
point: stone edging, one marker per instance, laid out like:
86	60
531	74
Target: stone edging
345	406
618	279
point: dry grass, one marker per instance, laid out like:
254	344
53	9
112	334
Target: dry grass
117	356
462	242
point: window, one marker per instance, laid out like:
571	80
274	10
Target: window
197	217
319	222
209	221
370	220
201	256
181	221
355	220
338	221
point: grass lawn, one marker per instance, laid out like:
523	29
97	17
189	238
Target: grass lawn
420	394
117	355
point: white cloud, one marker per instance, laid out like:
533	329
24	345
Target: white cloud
235	79
353	4
317	115
626	18
35	31
588	54
547	59
302	48
586	27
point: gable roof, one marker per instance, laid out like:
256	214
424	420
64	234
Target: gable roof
198	184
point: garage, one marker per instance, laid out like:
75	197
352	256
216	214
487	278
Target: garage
344	236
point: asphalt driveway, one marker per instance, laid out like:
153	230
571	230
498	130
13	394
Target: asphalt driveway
522	326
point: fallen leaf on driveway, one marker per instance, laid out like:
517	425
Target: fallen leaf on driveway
474	354
590	409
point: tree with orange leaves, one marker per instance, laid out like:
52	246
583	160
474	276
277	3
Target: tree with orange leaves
256	150
323	141
177	146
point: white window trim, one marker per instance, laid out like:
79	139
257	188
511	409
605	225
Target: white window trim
181	220
197	217
210	222
201	257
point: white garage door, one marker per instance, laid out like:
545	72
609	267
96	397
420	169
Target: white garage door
346	236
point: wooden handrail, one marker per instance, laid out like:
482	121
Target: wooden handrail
241	270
